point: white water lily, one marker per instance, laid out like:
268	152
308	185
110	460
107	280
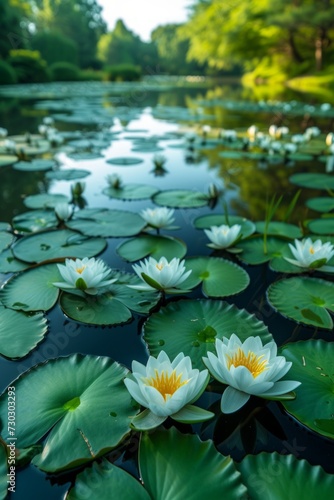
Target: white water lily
312	132
160	275
64	211
167	389
330	139
84	276
3	133
248	368
158	217
252	131
114	181
223	236
311	254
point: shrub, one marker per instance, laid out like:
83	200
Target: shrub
7	74
123	73
64	72
29	66
55	47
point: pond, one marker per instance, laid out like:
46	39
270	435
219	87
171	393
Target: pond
188	147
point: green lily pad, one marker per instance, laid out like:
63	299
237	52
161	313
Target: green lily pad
114	306
167	459
6	160
219	277
253	250
107	223
231	155
105	481
5	240
32	290
304	300
19	332
34	221
8	263
83	156
81	405
5	226
125	161
300	156
312	365
45	200
131	192
192	326
34	165
180	198
56	245
322	226
207	221
3	471
267	475
68	174
279	229
152	245
313	180
324	204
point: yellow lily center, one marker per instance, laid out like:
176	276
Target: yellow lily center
159	266
80	270
255	364
166	383
311	250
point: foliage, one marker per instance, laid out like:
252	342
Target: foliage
7	74
29	66
55	47
64	72
123	73
13	33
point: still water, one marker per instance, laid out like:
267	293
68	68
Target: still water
155	119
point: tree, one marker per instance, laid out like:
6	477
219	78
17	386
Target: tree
13	33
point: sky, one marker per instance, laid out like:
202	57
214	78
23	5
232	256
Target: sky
142	16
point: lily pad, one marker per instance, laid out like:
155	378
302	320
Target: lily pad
312	365
313	180
279	229
219	277
323	204
34	165
322	226
6	160
267	475
180	198
305	300
192	326
107	223
105	481
253	250
45	200
131	192
125	161
168	458
32	290
56	245
5	240
8	263
34	221
19	332
207	221
152	245
68	174
114	306
64	394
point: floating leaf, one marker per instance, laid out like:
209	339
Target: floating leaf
279	229
266	475
34	165
112	307
312	365
324	204
107	223
5	240
207	221
56	245
304	300
167	459
105	481
34	220
192	326
180	198
32	290
64	393
152	245
253	250
6	160
8	263
68	174
19	332
313	180
131	192
322	226
220	277
125	161
45	200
